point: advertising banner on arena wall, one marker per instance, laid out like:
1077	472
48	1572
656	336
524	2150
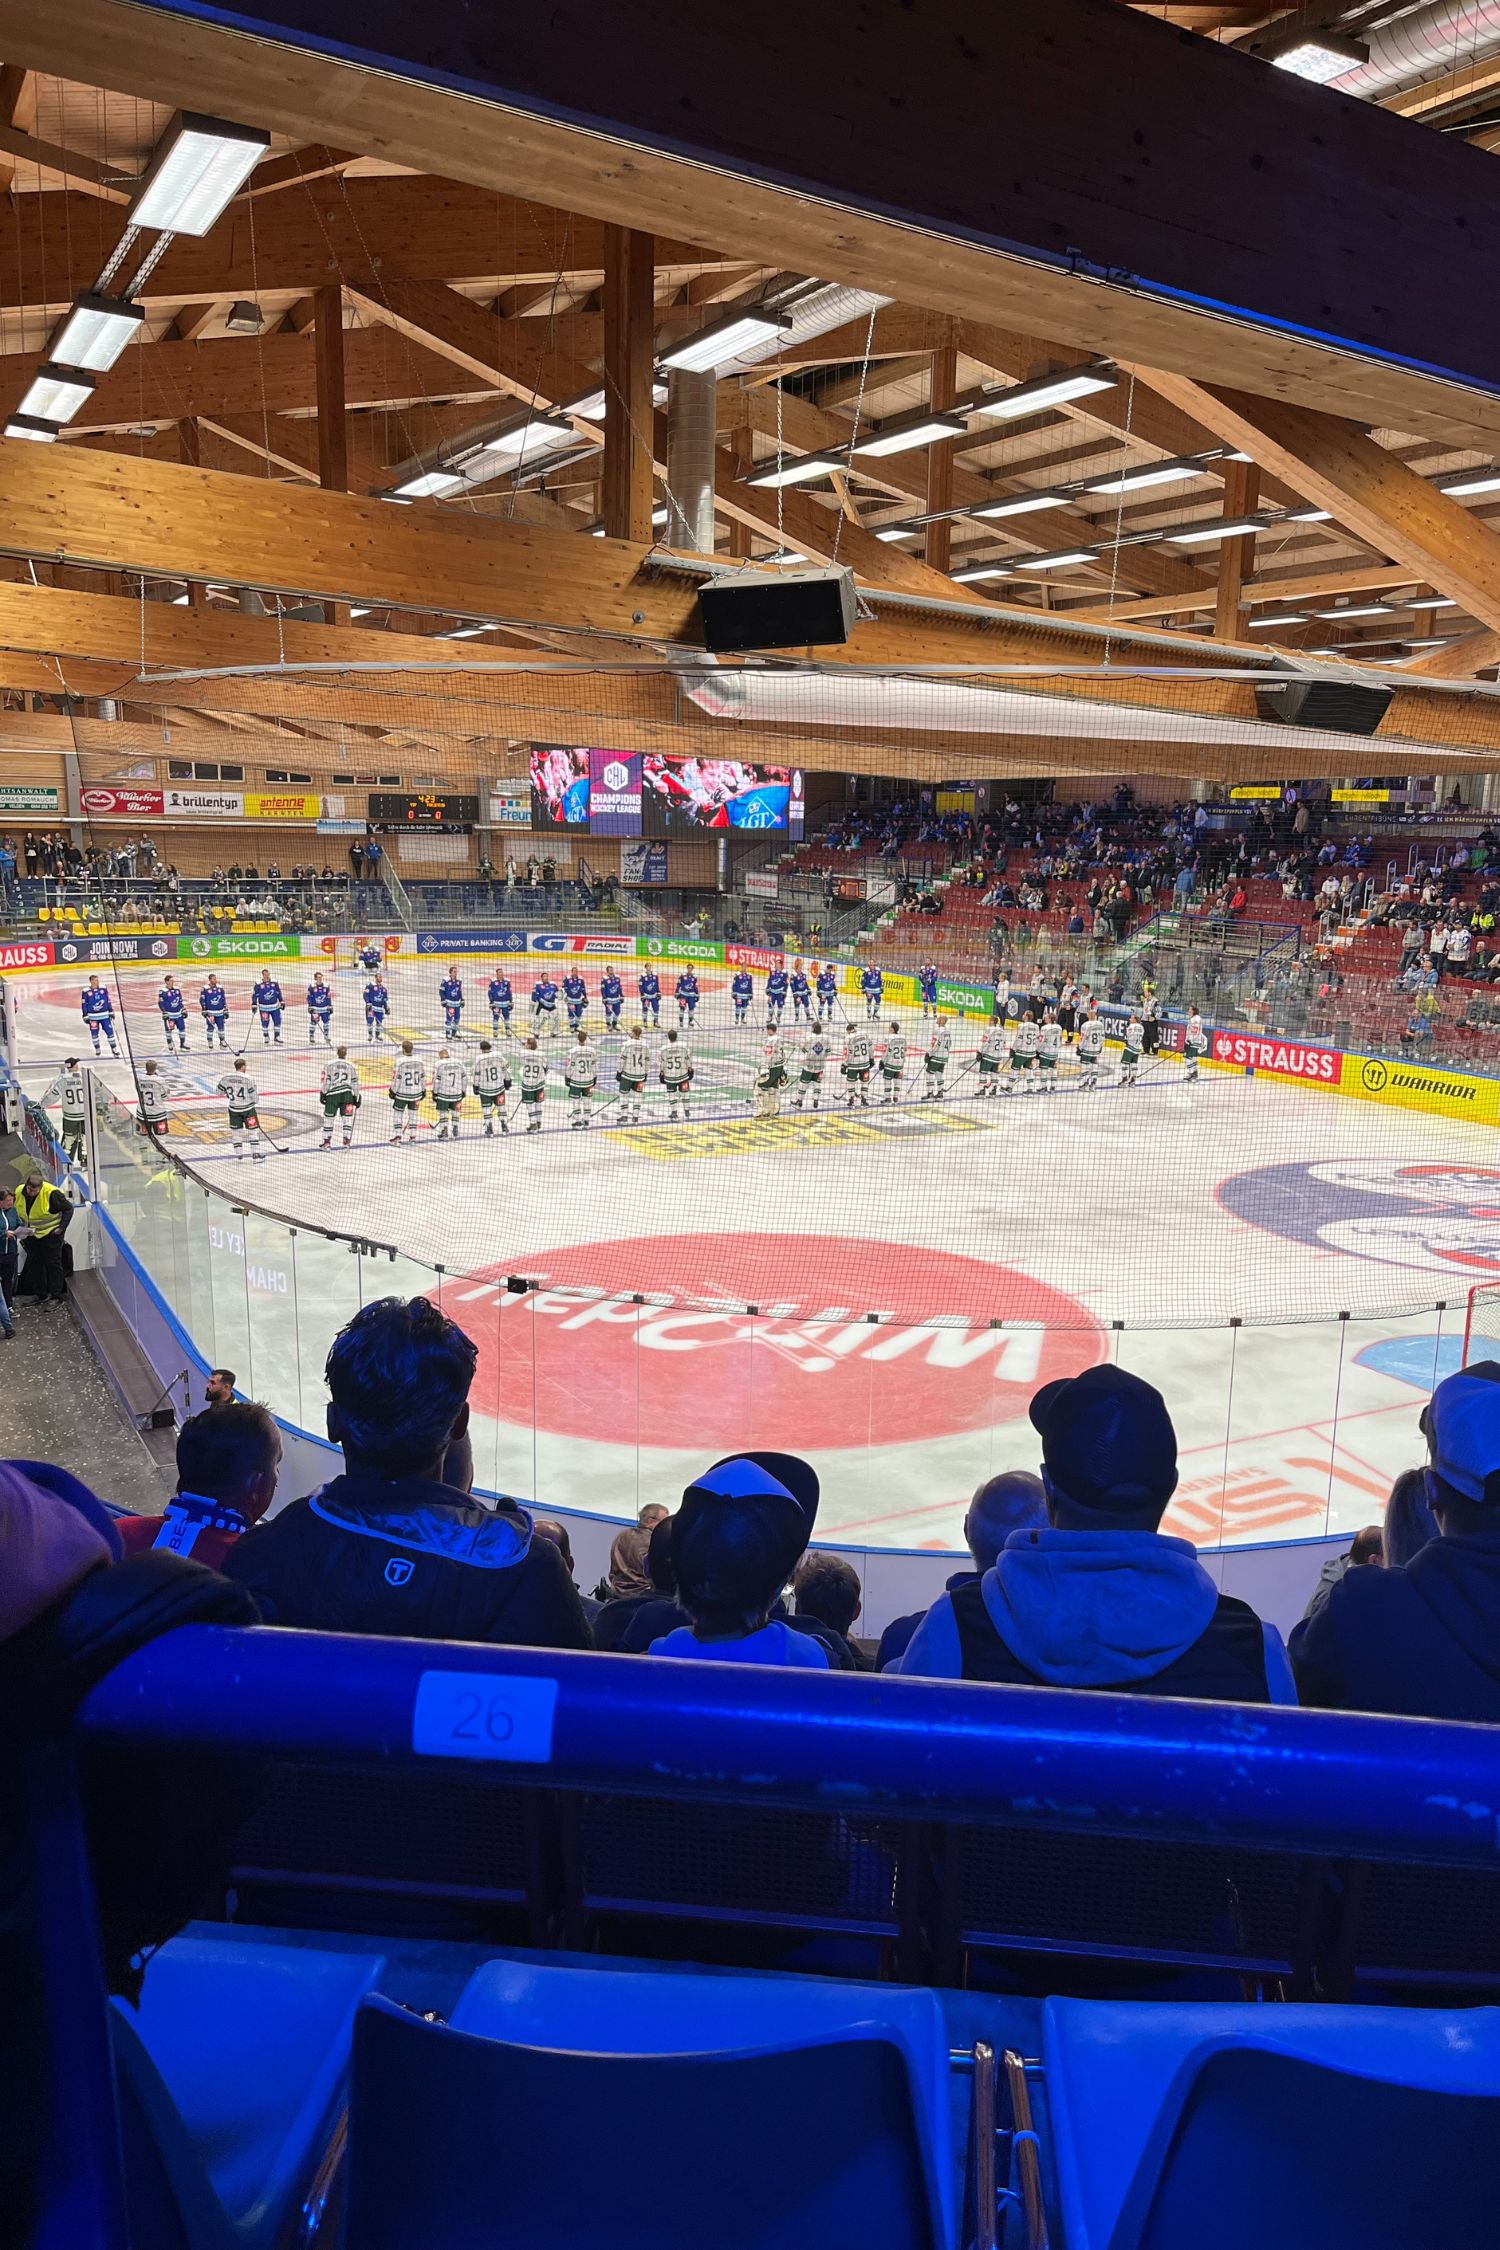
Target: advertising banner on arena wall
677	949
762	882
106	949
471	941
282	804
28	797
642	864
207	804
1441	1093
271	946
1270	1057
26	955
614	793
968	999
765	957
121	804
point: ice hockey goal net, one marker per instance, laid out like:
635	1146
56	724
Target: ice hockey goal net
1482	1322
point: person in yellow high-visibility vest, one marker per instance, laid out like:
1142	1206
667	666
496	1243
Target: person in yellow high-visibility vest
44	1212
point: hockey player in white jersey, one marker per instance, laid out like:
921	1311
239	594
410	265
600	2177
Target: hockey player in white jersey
408	1085
491	1080
807	1089
238	1090
152	1091
1135	1039
580	1076
892	1064
991	1059
533	1077
1025	1040
770	1079
858	1062
674	1067
1194	1047
450	1083
1090	1051
1048	1048
935	1061
631	1067
338	1089
68	1089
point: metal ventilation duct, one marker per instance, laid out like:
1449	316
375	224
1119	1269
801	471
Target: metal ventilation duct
1444	36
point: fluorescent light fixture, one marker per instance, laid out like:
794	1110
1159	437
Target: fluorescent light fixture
596	531
1055	562
1362	609
1237	528
96	331
55	394
784	555
1269	624
1159	472
1487	481
796	468
200	165
895	531
979	573
905	434
1310	515
27	426
1317	56
1044	391
1024	504
726	340
356	609
428	486
535	435
1236	456
1430	601
589	408
182	600
659	516
467	632
1432	640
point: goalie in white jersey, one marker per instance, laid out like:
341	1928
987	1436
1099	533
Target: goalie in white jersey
631	1068
450	1083
491	1082
858	1062
338	1090
893	1064
993	1047
1090	1051
1194	1046
533	1077
408	1085
580	1076
811	1064
238	1089
674	1067
772	1074
935	1061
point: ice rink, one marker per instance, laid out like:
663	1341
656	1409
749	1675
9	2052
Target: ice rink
1207	1235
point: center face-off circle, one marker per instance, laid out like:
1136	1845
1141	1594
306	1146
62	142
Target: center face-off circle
807	1373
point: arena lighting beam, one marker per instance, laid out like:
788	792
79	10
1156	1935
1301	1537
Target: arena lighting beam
1322	1781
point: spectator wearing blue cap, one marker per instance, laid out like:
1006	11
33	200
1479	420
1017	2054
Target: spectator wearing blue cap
738	1536
1424	1640
1099	1597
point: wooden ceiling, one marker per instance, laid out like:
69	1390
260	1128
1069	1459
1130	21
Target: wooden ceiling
354	320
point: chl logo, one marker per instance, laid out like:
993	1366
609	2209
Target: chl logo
689	1366
616	774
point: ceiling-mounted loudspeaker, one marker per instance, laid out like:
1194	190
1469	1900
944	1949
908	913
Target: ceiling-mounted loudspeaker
1335	706
784	609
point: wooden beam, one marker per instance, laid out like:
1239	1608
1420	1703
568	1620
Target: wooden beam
1337	466
87	174
941	392
297	168
1294	586
290	447
629	333
1236	556
536	373
1114	174
1462	659
333	432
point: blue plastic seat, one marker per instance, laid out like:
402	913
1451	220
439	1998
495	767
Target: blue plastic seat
1313	2128
467	2142
231	2074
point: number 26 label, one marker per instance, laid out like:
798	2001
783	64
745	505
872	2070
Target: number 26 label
484	1715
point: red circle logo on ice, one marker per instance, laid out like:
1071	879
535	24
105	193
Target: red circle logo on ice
691	1367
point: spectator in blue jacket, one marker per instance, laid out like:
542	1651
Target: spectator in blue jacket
1012	1501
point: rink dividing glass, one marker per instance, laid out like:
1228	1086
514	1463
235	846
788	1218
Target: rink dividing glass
598	1401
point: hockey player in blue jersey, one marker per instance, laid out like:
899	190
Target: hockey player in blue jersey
319	1010
501	1000
576	993
451	993
377	1006
775	997
688	997
741	992
544	1004
173	1014
369	957
649	988
801	992
828	991
98	1012
213	1005
872	985
267	1002
612	993
927	982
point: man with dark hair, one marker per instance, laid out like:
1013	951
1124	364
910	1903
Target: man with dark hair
1424	1641
735	1542
555	1531
1012	1501
388	1547
220	1387
228	1460
1099	1598
44	1212
828	1596
1365	1550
